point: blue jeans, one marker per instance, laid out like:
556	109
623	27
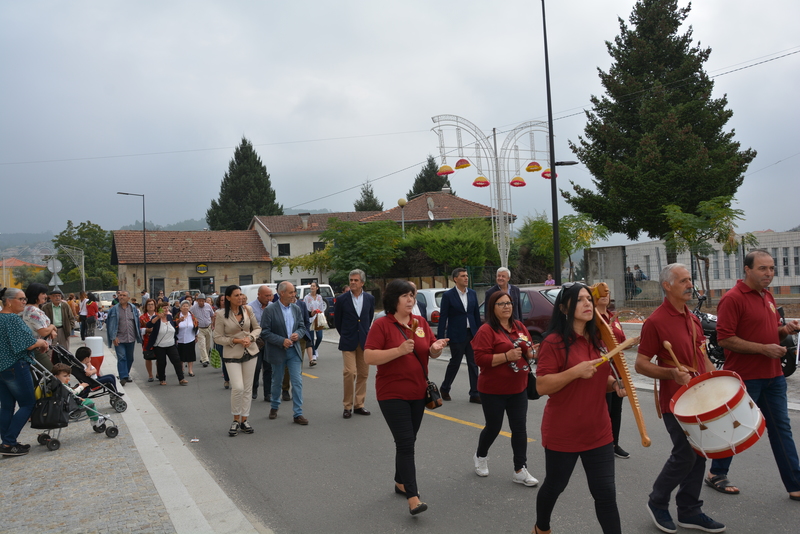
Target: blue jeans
316	338
124	359
295	365
16	388
770	396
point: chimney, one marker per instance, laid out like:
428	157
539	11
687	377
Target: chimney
304	217
446	189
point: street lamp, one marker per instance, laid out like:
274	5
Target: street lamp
553	162
144	237
402	203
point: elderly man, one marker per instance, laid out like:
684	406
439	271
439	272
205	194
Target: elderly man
205	326
123	334
282	326
61	316
503	276
259	304
674	322
748	329
459	321
352	315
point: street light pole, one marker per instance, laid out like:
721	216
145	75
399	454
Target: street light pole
144	238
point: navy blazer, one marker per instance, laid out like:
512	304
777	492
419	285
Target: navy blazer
273	332
453	318
516	300
353	329
423	310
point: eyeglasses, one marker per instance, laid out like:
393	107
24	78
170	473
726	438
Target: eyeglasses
503	304
21	299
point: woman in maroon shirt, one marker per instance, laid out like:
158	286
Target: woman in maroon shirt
502	350
575	423
400	344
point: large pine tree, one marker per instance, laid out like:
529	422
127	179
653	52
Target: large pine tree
368	200
245	191
427	180
657	138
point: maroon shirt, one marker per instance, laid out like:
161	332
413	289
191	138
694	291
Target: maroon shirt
575	418
404	377
750	315
501	379
668	324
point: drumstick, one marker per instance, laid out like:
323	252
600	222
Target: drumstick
668	346
622	346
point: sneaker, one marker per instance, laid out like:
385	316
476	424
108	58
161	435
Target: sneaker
246	427
702	522
234	430
619	452
662	519
481	466
523	477
25	447
13	450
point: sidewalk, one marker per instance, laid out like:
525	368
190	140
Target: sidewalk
144	480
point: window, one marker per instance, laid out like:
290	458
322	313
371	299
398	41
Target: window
785	261
715	264
797	261
526	303
647	267
204	284
726	263
156	285
245	279
319	246
284	249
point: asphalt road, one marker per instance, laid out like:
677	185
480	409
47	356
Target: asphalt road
335	475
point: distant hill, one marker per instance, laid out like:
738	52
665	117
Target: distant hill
795	229
16	240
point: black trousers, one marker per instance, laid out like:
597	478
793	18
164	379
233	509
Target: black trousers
457	353
162	353
266	368
599	467
404	419
494	407
614	402
684	468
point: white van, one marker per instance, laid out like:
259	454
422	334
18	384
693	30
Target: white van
251	290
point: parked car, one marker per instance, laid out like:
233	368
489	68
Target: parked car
104	298
537	307
327	293
432	299
176	296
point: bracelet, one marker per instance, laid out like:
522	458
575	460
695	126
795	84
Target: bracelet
506	355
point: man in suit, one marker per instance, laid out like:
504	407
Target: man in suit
60	315
503	276
459	320
352	316
282	326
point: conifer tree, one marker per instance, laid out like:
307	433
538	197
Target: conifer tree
656	138
368	200
245	191
427	180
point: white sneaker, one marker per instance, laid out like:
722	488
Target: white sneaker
481	466
523	477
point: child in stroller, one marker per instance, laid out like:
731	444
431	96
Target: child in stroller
63	372
84	355
98	387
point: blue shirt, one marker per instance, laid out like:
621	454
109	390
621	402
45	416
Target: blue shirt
257	310
288	318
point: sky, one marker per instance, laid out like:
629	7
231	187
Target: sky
151	97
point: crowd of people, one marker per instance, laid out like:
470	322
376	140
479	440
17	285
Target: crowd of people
268	338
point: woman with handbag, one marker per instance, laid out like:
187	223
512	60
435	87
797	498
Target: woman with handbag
164	343
502	349
316	307
400	344
575	422
148	312
187	336
236	329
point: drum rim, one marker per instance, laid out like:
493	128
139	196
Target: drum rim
714	413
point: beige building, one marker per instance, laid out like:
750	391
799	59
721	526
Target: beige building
208	261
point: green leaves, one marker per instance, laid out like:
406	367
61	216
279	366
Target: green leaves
427	180
371	247
96	245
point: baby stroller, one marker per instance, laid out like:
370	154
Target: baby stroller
56	407
95	389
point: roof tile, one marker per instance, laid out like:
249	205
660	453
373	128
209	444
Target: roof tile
189	247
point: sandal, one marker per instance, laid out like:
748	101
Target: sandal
162	383
191	374
184	382
721	484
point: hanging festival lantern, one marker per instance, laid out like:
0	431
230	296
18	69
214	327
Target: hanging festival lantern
517	182
462	164
547	174
533	166
481	181
444	170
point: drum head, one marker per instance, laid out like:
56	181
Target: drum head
706	395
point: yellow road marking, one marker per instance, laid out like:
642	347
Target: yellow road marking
467	423
309	376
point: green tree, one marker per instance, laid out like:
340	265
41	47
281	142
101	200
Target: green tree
25	275
576	232
714	221
368	200
245	191
657	136
427	180
371	247
317	262
96	245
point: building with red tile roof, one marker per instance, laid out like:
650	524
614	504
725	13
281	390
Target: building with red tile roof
7	266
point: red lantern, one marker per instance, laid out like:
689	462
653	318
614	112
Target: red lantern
533	166
481	181
462	164
547	174
444	170
517	182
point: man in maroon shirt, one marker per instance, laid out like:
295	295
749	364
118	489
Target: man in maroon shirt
748	329
674	322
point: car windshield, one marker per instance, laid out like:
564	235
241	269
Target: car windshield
551	294
439	298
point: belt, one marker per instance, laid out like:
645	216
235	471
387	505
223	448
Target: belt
204	327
